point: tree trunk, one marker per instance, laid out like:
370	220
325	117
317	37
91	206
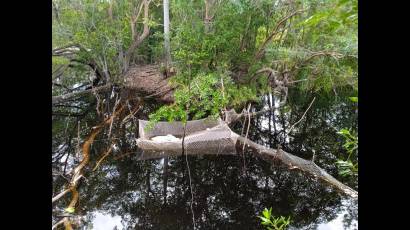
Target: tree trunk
167	46
270	155
294	162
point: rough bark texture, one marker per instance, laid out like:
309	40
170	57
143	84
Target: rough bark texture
167	46
294	162
217	139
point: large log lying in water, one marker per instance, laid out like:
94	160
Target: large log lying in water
294	162
215	137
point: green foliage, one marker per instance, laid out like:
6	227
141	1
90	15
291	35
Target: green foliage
273	223
238	30
104	39
347	167
318	45
205	95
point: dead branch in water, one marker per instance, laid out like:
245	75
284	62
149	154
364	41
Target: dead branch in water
77	172
103	157
294	162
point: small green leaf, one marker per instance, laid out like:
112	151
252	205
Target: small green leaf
70	210
344	132
354	99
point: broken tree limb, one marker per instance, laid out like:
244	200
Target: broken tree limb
294	162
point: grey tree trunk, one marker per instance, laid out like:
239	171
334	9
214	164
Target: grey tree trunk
166	34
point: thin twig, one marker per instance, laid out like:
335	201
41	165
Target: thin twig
190	186
131	115
247	130
275	31
124	155
113	113
291	82
60	195
246	136
244	120
302	115
58	223
103	157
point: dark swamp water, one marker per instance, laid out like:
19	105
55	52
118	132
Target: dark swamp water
229	192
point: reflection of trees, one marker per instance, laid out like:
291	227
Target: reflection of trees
223	196
225	193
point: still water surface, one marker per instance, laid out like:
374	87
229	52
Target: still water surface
229	191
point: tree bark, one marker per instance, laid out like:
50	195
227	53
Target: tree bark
137	40
167	47
294	162
271	155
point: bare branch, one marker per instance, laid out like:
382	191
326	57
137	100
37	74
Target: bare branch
275	31
103	157
68	96
61	194
302	115
272	72
231	115
58	223
134	19
137	40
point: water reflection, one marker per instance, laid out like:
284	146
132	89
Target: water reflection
229	191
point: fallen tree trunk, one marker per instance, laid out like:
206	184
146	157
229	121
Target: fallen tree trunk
294	162
207	137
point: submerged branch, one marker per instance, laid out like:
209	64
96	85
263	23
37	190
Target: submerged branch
102	158
57	224
61	194
294	162
77	172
